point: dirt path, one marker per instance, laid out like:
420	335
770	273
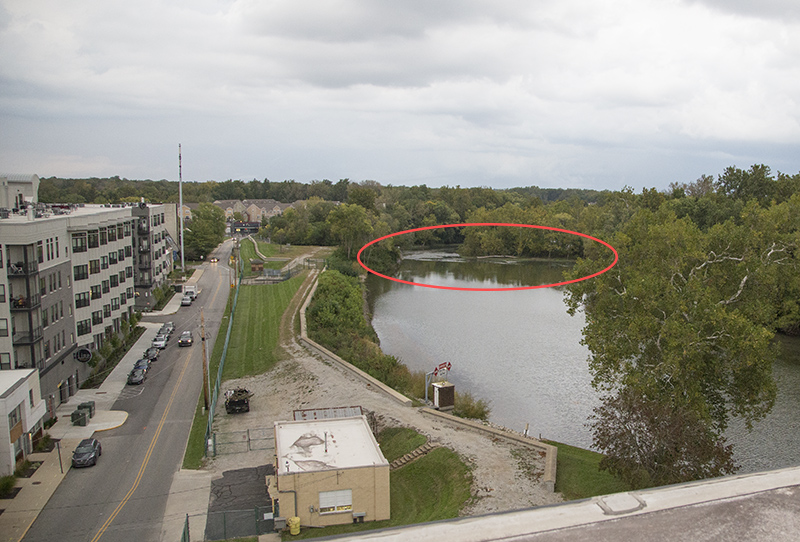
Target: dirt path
505	476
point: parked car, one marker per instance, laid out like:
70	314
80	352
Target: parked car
186	339
87	452
164	330
143	363
186	301
151	353
137	376
160	341
169	325
237	400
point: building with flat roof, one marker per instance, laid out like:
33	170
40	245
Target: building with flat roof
21	404
18	190
330	472
68	279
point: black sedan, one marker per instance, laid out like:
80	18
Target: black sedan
87	452
151	353
143	364
137	376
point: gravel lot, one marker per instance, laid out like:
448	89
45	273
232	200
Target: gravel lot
505	476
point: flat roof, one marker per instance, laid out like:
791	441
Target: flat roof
10	379
340	443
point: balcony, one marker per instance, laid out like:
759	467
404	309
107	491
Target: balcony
25	303
21	269
144	247
28	337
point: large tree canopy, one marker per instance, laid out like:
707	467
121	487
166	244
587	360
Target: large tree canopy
680	330
204	231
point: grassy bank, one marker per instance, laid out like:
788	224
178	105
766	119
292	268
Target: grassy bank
579	475
434	487
252	347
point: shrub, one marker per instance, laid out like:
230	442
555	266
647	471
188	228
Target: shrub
468	407
7	484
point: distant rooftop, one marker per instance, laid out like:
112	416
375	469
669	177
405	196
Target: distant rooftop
303	446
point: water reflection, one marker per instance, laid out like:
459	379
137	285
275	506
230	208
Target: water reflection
520	350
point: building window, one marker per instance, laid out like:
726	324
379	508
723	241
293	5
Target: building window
121	254
128	251
81	272
122	276
106	286
45	321
3	327
103	262
120	231
112	234
96	292
79	242
94	239
114	303
94	267
82	300
5	361
57	250
84	327
2	292
40	251
127	229
331	502
97	318
103	236
107	311
46	349
123	299
59	279
112	258
42	286
114	281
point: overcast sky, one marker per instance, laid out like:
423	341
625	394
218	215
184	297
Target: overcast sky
554	93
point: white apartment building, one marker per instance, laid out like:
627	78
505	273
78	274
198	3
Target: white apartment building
155	249
66	282
22	405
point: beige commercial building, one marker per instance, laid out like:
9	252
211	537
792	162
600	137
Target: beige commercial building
330	472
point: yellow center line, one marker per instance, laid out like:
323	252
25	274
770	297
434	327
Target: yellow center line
149	453
146	457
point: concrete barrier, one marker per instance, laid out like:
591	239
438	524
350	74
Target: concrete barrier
550	451
330	356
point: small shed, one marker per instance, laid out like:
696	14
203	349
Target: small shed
257	265
331	472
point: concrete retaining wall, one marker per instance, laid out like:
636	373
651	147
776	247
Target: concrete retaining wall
550	451
330	356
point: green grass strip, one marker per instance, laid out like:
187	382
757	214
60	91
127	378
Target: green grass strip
579	475
256	328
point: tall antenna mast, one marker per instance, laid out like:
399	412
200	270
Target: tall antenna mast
180	196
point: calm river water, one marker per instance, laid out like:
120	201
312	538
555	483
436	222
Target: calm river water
521	351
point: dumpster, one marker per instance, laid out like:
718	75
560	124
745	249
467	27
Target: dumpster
79	417
88	405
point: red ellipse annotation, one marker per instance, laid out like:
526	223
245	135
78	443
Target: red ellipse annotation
534	226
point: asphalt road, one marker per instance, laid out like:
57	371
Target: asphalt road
124	496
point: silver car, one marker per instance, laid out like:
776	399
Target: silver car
160	341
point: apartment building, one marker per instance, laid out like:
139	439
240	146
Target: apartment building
66	283
155	248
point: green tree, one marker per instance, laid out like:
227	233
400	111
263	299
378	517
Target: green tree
351	225
680	325
204	231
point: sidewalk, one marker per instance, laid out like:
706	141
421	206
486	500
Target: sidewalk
20	512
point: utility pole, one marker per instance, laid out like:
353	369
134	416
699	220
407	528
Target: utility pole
206	394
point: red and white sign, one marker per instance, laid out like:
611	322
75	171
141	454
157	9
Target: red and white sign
443	367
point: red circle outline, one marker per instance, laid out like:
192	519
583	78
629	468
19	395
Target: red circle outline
533	226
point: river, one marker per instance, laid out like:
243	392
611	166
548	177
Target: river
521	351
